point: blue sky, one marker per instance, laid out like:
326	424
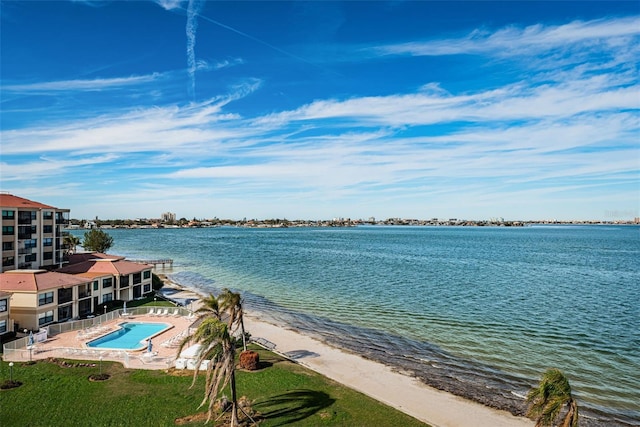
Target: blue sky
316	110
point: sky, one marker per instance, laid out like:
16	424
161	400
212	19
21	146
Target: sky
321	110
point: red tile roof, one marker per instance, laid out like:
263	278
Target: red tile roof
88	256
11	201
116	266
36	280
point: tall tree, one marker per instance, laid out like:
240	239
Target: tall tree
231	303
71	242
548	399
217	346
97	241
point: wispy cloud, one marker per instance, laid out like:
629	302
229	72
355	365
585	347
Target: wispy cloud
81	84
526	41
193	9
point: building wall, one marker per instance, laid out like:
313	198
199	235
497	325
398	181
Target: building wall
32	238
6	323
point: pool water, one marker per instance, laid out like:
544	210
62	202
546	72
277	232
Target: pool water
130	336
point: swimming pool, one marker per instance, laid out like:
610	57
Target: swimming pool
130	336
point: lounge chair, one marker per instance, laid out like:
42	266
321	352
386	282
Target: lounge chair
181	363
151	312
176	312
165	312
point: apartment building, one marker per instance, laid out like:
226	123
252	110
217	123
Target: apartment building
41	297
32	236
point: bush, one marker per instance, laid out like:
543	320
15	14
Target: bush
249	360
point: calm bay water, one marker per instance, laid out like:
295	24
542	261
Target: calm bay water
481	312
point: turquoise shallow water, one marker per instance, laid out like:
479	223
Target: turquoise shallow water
477	311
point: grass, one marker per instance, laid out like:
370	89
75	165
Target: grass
283	392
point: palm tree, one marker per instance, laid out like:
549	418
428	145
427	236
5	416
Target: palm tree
217	346
71	242
209	307
231	302
548	399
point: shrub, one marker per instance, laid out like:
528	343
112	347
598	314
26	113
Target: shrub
249	360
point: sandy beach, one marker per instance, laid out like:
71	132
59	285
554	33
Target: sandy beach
435	407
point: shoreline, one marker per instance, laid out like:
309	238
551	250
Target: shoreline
374	379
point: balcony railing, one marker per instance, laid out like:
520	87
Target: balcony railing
25	251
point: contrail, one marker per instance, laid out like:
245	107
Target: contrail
192	25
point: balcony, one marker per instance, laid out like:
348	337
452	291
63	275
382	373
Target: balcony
25	266
25	236
25	251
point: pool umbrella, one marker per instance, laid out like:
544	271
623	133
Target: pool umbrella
149	346
124	309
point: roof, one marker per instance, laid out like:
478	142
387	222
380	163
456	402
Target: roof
88	256
11	201
116	266
36	280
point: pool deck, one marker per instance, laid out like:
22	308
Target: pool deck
72	344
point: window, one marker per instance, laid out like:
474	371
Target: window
64	295
47	255
3	326
137	278
7	246
44	318
107	297
8	214
47	215
8	230
3	305
96	285
30	258
124	281
84	291
47	229
147	274
65	312
45	298
147	288
47	241
8	261
84	307
107	283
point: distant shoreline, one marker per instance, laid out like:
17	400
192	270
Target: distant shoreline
116	224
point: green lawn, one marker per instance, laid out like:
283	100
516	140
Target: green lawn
283	393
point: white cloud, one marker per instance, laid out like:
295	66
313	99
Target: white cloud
526	41
81	85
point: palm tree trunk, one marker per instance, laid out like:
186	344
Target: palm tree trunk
244	338
234	401
571	419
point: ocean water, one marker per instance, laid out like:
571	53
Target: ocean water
480	312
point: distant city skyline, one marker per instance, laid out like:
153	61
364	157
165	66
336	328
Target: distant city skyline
319	110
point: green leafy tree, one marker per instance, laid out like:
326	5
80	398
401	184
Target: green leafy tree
547	400
97	241
217	346
231	303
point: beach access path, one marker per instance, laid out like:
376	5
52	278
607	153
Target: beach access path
405	393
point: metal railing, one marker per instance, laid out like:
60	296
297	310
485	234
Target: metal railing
19	349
